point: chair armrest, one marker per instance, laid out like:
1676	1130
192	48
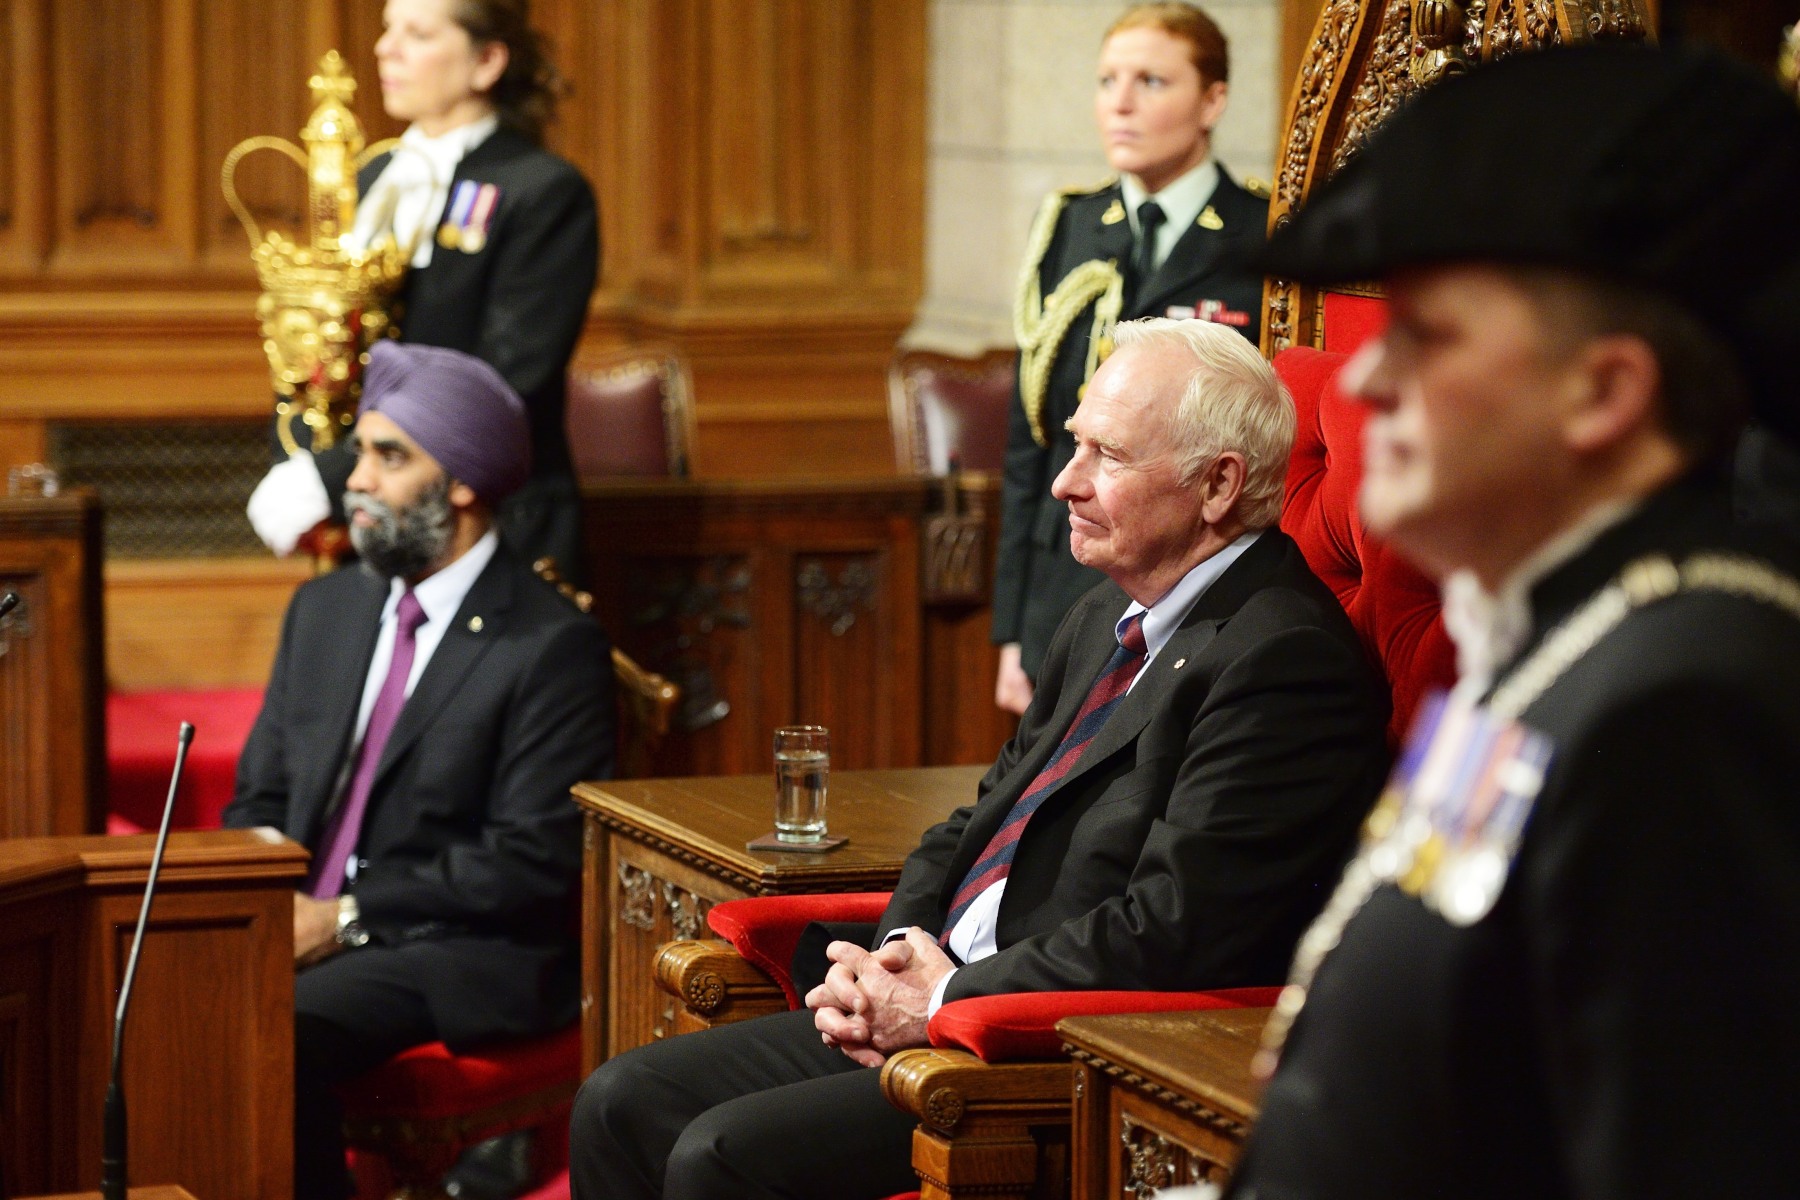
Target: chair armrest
947	1089
766	929
1022	1026
717	985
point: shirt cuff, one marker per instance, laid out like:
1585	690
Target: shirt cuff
937	994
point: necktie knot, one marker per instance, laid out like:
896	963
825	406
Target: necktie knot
1143	259
1132	636
1150	219
410	614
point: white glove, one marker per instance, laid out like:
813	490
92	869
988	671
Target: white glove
289	501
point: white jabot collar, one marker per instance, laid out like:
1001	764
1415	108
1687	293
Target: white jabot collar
1490	628
411	190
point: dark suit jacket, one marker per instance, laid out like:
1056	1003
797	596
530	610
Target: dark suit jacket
520	304
472	844
1622	1023
1036	578
1201	830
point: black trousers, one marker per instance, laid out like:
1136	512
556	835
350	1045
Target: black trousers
352	1012
756	1109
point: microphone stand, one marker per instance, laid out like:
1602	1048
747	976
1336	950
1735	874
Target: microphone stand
112	1141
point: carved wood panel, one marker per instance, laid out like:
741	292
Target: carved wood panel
52	771
1365	59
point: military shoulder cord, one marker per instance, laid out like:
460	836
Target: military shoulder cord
1040	323
1388	850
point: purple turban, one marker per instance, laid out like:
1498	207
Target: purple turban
459	410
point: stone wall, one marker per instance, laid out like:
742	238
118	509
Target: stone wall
1010	112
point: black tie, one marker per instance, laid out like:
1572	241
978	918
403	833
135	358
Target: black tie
1143	260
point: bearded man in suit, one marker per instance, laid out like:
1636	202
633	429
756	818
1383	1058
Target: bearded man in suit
426	717
1188	778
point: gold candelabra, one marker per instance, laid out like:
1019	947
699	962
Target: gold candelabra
322	306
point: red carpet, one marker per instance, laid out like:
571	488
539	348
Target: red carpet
140	737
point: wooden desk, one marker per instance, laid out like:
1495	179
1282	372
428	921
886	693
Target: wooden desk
136	1193
209	1042
1160	1098
660	852
52	673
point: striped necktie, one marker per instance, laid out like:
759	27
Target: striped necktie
1108	690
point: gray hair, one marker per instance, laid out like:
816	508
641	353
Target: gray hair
1232	401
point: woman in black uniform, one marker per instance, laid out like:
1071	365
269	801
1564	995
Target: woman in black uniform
1160	239
506	249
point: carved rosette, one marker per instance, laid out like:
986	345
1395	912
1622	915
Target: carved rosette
943	1109
704	992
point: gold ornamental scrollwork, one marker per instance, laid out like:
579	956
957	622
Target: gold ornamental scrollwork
322	305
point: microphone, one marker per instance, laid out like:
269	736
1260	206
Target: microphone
8	602
112	1137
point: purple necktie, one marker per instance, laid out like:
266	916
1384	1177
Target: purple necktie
346	826
995	862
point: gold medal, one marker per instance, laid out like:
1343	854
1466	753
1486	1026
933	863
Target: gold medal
448	236
473	240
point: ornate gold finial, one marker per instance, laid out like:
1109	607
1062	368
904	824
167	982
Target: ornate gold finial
321	306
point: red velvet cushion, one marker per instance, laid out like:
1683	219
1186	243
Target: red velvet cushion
1352	320
1393	607
140	753
428	1083
766	929
1023	1025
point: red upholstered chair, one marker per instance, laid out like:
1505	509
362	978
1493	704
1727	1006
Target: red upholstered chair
943	410
423	1108
994	1129
631	414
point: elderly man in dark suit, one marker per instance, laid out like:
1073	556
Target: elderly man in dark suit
426	717
1565	963
1183	786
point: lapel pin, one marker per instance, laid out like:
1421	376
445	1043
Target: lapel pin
1113	215
1180	663
474	624
1209	219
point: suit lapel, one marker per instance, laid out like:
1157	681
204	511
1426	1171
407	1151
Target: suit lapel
1214	607
474	629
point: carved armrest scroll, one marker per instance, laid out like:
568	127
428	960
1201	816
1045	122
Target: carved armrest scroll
715	984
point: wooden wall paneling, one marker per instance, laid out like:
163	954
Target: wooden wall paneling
24	159
230	625
124	99
241	102
52	686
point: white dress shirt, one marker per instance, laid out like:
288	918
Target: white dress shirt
973	937
1181	201
440	595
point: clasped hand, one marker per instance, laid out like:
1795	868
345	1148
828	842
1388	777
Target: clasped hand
874	1002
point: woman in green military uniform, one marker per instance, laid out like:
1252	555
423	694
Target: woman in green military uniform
1160	239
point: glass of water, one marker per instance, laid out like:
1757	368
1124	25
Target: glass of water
802	766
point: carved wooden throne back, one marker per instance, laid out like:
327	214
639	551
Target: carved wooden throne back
1366	58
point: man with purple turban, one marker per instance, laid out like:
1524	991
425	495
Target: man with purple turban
425	719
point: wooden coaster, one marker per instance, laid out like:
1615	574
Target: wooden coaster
768	841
